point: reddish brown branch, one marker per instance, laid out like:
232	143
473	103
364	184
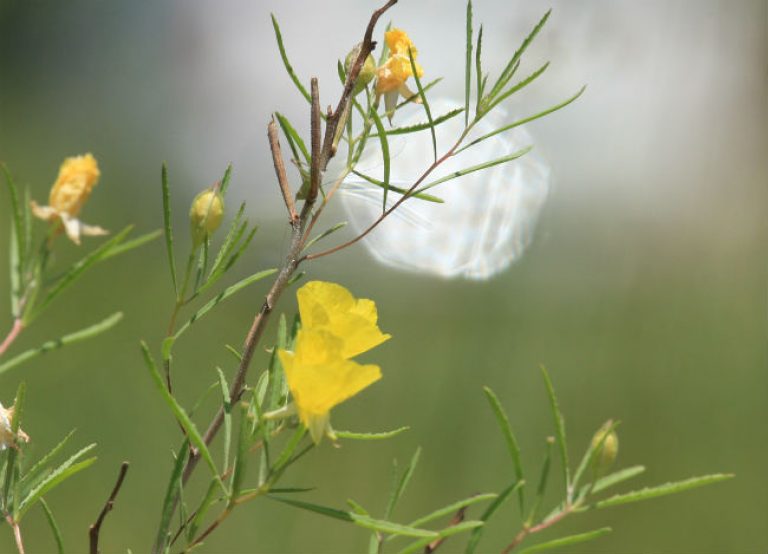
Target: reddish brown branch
279	163
18	326
93	531
315	130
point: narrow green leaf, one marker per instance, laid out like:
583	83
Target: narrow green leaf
238	474
523	121
15	267
132	244
294	139
463	527
452	508
398	490
77	336
370	436
479	78
497	503
223	295
11	468
468	65
356	507
168	228
285	456
543	478
519	86
382	135
513	63
225	180
234	233
208	500
77	270
414	96
227	405
17	221
324	234
419	195
31	476
53	525
422	125
663	490
509	436
181	416
172	493
479	167
54	478
287	63
559	428
617	477
425	103
567	541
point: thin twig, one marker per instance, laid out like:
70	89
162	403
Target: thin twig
521	536
16	533
455	520
18	326
279	163
315	131
93	531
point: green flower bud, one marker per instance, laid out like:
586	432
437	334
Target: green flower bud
205	215
607	442
367	72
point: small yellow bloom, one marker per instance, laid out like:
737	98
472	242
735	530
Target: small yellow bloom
391	76
331	307
607	441
320	374
6	429
77	177
206	214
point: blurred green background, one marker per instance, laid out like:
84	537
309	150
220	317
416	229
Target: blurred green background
644	291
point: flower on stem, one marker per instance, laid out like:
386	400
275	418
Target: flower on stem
319	372
77	177
391	77
205	214
7	438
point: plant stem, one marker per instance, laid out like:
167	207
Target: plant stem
526	530
16	533
18	326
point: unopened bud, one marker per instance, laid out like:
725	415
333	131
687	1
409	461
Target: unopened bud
606	441
205	215
367	72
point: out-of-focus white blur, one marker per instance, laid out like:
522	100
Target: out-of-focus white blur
487	217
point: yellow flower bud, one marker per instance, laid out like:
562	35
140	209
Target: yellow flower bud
367	72
206	214
607	442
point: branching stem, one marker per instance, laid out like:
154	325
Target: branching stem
93	530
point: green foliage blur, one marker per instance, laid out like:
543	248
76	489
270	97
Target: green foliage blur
644	293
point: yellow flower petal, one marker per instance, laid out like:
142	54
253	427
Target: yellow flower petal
77	177
332	308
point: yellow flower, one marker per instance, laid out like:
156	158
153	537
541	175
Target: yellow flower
206	214
6	429
77	177
391	76
320	378
320	374
331	307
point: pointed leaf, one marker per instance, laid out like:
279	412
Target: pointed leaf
54	526
478	167
398	490
168	228
477	534
559	428
510	439
370	436
567	541
468	63
425	103
172	493
663	490
287	63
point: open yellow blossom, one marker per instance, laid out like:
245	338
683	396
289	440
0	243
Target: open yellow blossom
335	327
77	177
319	378
6	428
331	307
391	77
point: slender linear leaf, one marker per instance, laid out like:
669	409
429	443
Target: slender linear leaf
519	86
172	494
463	527
238	474
77	336
452	508
208	500
294	139
181	416
53	525
15	269
382	135
663	490
398	490
414	96
56	477
514	62
509	437
223	295
497	503
419	195
11	468
227	405
356	507
370	436
468	65
617	477
567	541
422	125
168	228
559	428
523	121
225	180
235	232
324	234
424	101
480	80
543	478
479	167
31	476
132	244
287	63
17	220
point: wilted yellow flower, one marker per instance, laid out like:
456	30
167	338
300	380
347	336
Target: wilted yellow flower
391	76
330	307
6	428
77	177
206	214
335	327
